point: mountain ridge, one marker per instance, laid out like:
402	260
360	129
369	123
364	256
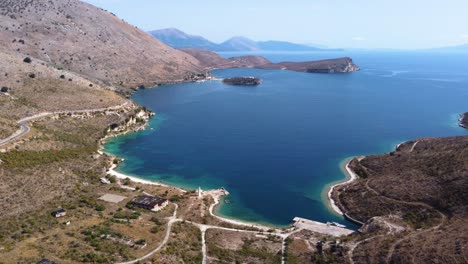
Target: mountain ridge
180	40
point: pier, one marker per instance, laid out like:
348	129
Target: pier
314	226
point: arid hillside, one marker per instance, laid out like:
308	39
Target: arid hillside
34	86
414	203
84	39
210	60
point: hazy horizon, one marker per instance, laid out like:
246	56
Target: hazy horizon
338	24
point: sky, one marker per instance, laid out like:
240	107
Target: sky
395	24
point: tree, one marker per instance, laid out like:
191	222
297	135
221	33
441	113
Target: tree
27	60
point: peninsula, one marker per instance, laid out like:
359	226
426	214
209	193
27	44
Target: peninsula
410	199
210	60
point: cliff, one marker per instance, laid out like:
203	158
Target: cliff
82	38
463	121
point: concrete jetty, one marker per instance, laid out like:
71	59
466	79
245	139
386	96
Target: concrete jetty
314	226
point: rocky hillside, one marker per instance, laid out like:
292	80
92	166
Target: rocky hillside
211	60
79	37
412	200
33	86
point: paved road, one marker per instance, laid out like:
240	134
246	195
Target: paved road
24	128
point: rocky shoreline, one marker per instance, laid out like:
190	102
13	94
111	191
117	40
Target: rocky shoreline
463	120
243	81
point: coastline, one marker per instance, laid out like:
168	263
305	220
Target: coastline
112	170
213	210
350	177
216	203
213	193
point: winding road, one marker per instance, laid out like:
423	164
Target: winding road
173	219
24	128
203	228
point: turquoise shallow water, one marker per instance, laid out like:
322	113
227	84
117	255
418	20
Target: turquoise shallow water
276	146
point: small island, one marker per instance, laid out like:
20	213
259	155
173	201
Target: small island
244	81
463	121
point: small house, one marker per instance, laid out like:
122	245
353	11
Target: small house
59	213
152	203
45	261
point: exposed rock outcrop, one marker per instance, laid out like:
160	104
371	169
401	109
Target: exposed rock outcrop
463	121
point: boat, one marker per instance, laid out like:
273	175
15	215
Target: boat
336	224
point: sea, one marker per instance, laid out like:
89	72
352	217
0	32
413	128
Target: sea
277	147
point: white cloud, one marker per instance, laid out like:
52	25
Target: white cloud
463	36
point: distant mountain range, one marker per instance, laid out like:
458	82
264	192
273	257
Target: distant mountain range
458	48
179	39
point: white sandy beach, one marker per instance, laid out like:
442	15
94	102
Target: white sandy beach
351	176
122	176
216	194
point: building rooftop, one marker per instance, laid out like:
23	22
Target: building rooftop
45	261
148	201
58	211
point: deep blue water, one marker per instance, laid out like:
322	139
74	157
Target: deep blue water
276	146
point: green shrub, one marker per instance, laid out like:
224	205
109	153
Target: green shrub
126	181
100	207
17	158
